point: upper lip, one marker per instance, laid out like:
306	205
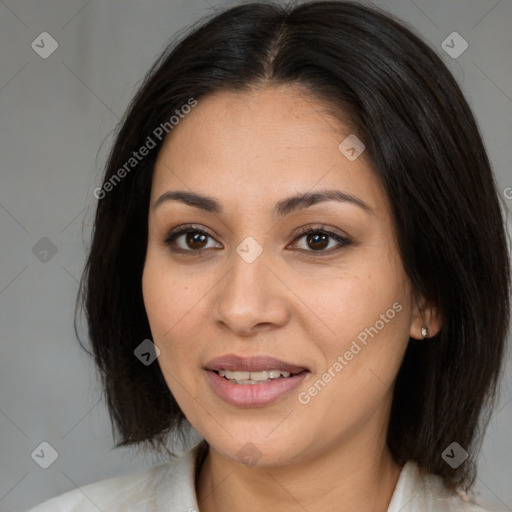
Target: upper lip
232	362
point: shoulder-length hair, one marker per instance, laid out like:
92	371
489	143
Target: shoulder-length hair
425	149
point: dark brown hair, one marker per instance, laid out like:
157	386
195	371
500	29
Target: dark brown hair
427	152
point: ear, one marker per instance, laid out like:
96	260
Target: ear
425	314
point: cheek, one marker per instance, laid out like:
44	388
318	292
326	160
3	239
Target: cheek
343	307
366	316
361	364
169	302
374	345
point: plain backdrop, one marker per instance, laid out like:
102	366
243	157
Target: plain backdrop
57	115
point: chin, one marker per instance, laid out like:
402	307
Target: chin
265	446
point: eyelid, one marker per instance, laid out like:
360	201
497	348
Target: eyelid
318	227
176	232
343	240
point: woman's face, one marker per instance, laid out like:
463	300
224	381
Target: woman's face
242	281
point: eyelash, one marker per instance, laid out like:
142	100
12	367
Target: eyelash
174	234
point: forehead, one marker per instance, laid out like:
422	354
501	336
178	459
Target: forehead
265	141
269	118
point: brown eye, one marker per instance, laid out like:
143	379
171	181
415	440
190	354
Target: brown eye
191	240
317	241
196	240
320	241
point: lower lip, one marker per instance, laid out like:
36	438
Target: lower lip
253	395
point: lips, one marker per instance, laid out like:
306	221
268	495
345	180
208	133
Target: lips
254	394
232	362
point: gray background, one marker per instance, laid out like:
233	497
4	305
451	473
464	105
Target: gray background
56	116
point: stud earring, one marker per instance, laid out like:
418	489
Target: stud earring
424	332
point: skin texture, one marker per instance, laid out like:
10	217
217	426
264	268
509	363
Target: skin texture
304	306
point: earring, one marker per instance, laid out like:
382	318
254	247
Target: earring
424	332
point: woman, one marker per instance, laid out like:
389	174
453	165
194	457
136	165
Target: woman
298	250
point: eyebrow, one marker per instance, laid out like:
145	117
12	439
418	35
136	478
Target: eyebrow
282	208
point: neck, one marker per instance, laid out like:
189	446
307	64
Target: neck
357	475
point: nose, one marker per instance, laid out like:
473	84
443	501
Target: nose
250	298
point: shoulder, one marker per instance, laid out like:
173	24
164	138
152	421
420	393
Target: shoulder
156	489
417	491
123	492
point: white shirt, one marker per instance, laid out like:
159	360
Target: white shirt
170	487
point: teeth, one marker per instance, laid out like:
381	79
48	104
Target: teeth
253	377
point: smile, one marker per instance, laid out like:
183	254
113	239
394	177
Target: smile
241	377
